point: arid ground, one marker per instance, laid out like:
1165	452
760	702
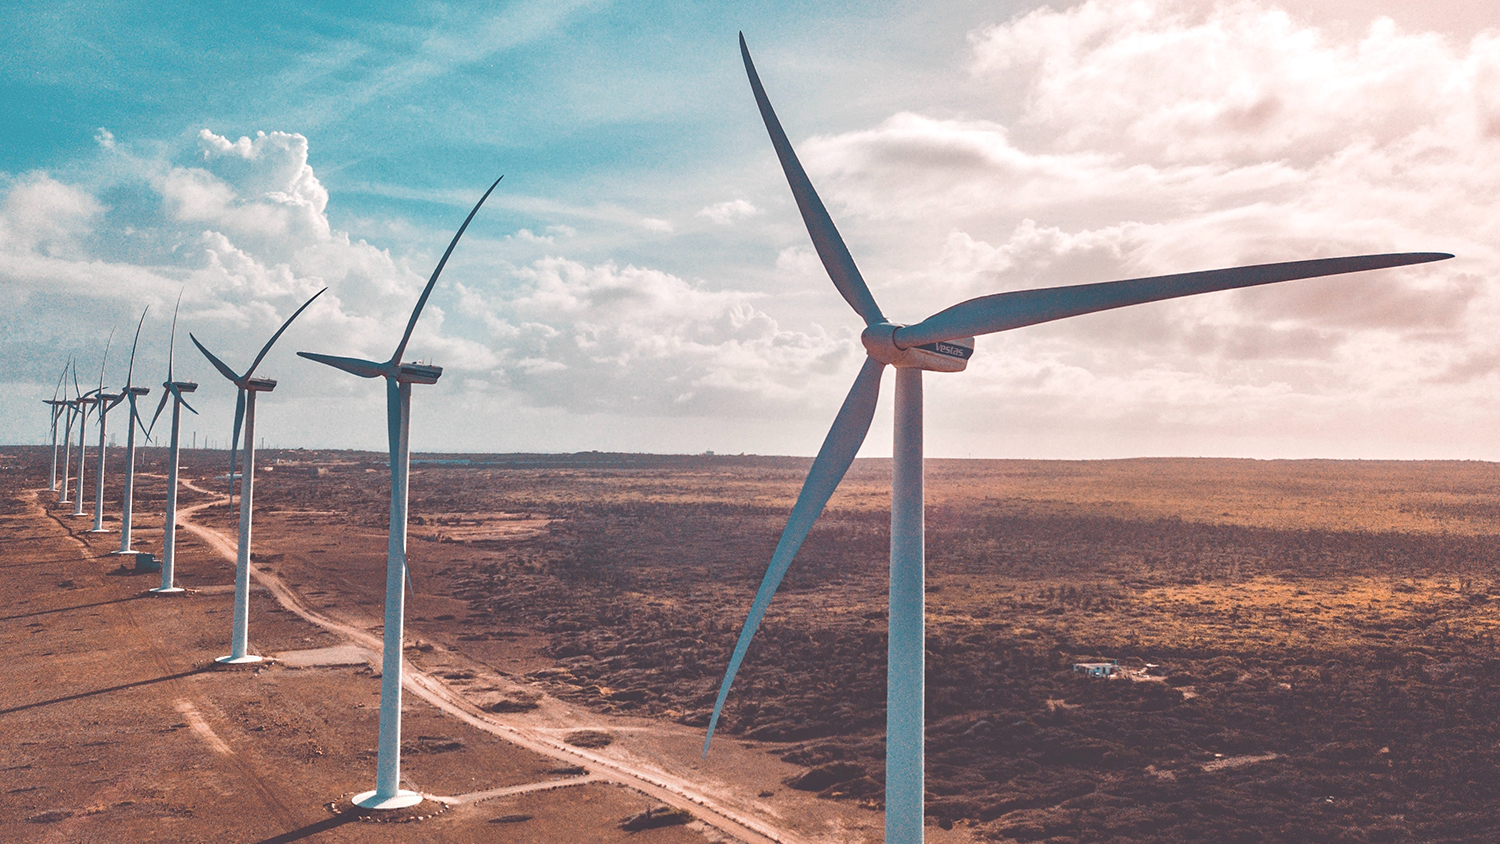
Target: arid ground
1307	649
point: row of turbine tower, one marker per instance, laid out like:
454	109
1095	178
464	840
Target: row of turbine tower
943	342
399	378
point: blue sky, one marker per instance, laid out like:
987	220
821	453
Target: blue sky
641	280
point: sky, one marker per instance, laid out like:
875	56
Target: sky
641	279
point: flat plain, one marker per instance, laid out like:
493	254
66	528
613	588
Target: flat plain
1307	652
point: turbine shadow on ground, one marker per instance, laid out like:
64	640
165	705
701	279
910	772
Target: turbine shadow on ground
120	688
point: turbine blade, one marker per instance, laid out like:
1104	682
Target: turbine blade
1004	311
234	441
825	236
842	443
411	324
267	347
184	401
218	364
130	372
172	341
105	359
162	405
354	366
135	416
60	378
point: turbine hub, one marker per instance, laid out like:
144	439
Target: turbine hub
947	356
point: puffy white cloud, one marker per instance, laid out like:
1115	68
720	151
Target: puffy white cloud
725	213
42	215
640	341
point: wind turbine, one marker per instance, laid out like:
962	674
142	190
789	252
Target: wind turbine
131	393
244	411
103	404
84	401
941	343
57	406
171	389
399	377
74	409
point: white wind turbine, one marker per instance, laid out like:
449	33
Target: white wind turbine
171	389
74	411
244	411
103	404
84	402
130	393
71	410
399	377
941	343
57	407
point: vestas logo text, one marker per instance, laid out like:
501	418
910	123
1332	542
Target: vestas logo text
951	350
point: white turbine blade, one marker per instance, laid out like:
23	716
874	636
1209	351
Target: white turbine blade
178	393
234	441
842	443
218	364
60	379
165	396
267	347
411	324
105	359
1004	311
825	236
130	372
172	341
354	366
135	416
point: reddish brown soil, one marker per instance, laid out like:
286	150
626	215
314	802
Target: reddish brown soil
1324	633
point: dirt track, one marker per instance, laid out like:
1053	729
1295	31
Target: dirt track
104	679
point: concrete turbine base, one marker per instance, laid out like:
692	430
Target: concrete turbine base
167	590
402	799
132	552
98	530
247	659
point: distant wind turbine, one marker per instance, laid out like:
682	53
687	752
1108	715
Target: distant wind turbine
130	393
941	343
244	411
398	380
171	389
58	407
103	404
74	410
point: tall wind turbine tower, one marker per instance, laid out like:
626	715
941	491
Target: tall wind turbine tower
172	389
398	380
102	404
130	393
75	411
941	343
58	407
244	411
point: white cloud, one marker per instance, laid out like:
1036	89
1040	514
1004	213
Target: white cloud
639	341
44	216
656	224
725	213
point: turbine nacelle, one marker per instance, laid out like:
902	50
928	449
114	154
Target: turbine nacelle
418	373
879	341
182	386
260	385
136	391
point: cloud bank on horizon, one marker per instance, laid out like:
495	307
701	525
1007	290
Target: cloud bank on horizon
683	308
